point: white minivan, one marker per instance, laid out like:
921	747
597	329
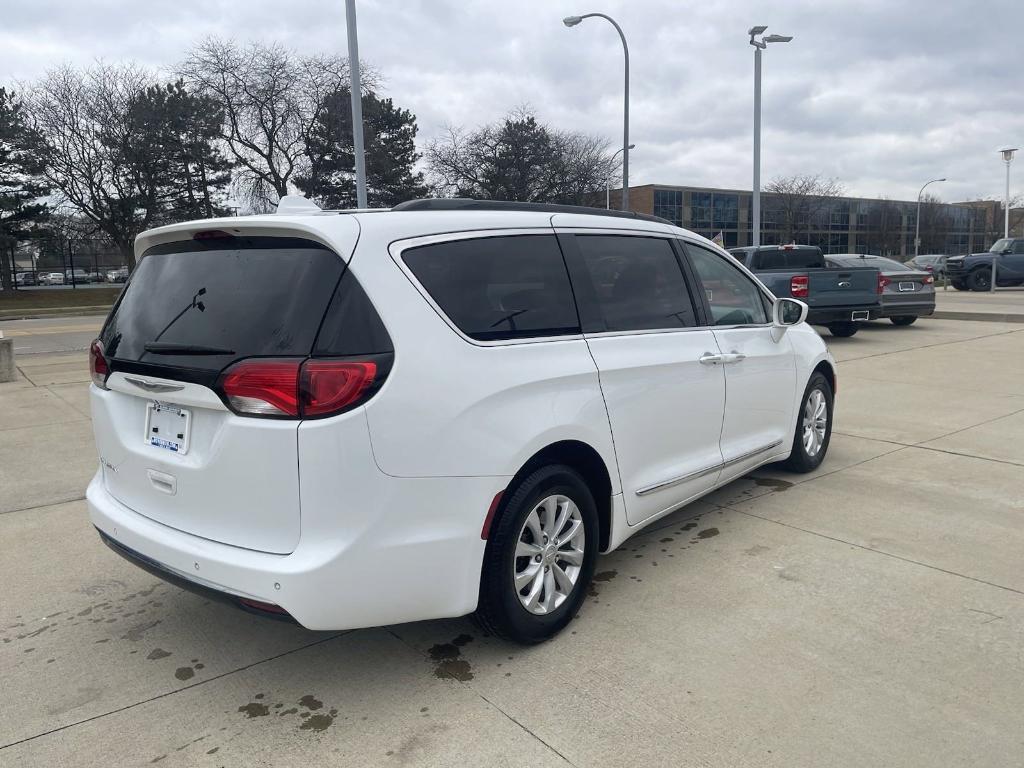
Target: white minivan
357	418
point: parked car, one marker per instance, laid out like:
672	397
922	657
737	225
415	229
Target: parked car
118	275
81	276
907	294
51	278
932	262
838	301
974	271
25	278
467	399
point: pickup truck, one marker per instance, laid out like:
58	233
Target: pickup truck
836	298
974	271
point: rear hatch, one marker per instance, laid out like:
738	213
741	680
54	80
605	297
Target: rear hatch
170	446
842	287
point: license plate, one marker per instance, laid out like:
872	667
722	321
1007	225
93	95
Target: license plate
167	427
908	286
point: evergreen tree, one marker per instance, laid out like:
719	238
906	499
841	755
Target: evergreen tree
389	134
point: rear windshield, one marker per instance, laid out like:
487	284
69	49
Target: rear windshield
793	258
204	304
877	262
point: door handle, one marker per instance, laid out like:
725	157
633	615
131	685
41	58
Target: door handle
709	358
733	357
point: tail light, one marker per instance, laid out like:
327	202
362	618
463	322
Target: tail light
798	286
882	282
929	280
293	388
98	368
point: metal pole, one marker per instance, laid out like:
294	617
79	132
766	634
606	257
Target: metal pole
755	224
917	225
625	129
608	193
357	102
1006	223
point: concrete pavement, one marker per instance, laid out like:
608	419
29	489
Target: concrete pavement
871	613
1006	305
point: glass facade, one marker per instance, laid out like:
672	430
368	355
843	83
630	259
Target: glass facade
839	225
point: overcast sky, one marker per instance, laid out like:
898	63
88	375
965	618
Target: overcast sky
879	94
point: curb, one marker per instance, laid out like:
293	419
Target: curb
42	312
991	317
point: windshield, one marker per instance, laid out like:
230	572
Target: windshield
1003	244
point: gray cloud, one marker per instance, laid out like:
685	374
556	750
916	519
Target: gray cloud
881	95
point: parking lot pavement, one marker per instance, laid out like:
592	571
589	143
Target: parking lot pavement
52	334
870	613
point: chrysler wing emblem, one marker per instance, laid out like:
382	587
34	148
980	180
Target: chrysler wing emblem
153	386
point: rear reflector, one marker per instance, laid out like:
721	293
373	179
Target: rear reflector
486	530
798	286
98	368
293	388
261	606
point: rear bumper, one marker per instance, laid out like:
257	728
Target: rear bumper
419	559
826	315
907	308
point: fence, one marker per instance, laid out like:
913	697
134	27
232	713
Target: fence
73	263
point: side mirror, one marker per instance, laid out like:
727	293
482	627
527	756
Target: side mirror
787	312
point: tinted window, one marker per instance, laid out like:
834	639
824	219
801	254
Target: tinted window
637	284
351	325
733	297
793	258
877	262
240	297
499	287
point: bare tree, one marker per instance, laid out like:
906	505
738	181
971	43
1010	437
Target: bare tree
519	158
272	99
884	227
799	200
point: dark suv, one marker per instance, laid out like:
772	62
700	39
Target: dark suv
974	271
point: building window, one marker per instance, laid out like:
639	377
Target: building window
668	204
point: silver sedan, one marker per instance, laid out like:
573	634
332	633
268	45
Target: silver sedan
907	293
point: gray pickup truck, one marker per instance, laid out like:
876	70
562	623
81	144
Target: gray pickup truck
836	298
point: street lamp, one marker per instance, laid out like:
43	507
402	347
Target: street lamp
759	45
1007	158
917	221
608	179
356	94
572	21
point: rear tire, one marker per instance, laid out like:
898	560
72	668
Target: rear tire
904	320
527	529
813	427
843	330
980	279
960	285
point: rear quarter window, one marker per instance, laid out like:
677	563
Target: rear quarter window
498	288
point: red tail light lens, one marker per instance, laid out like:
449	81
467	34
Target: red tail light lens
297	389
98	368
263	387
882	282
798	286
929	279
329	386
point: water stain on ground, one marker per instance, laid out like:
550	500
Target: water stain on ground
707	533
317	723
605	575
254	709
449	663
157	653
310	702
775	484
184	673
135	633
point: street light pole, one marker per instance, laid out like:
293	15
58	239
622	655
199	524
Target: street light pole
759	45
356	92
608	181
1007	158
917	220
572	21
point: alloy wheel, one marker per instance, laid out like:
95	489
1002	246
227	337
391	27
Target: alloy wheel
549	554
815	422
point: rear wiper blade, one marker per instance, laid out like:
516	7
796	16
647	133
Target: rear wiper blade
169	348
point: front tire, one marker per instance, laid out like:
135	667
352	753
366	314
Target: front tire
904	320
980	280
843	330
540	556
813	427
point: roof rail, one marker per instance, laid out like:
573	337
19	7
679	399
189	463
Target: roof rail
472	204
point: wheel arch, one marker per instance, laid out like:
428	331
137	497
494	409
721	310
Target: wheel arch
826	369
587	461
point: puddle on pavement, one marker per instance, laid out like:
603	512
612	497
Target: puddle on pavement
774	483
449	661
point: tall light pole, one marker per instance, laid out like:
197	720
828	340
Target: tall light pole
917	221
572	21
759	45
356	91
608	180
1007	158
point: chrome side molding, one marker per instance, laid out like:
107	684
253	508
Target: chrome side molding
648	489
